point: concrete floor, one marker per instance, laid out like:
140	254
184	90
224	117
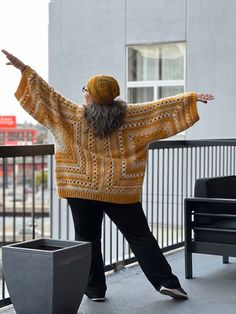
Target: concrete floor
212	290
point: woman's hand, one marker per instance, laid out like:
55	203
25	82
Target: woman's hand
14	61
204	97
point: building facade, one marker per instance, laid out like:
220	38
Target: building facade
11	134
112	37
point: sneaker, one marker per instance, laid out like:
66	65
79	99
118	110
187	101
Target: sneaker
177	293
95	297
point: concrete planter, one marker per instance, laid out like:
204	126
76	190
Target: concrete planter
46	276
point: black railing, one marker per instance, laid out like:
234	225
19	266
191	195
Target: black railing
30	208
26	194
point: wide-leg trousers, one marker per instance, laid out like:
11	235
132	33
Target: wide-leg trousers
131	221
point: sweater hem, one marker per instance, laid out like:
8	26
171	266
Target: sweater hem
127	199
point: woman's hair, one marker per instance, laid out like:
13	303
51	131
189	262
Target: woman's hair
105	119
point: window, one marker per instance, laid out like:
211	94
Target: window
155	71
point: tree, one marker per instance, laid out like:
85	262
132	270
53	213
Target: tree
41	177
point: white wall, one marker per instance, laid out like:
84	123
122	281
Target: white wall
155	21
91	37
211	66
88	38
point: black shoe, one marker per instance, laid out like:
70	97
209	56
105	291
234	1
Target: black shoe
177	293
95	297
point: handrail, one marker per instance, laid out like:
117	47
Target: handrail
48	149
192	143
26	150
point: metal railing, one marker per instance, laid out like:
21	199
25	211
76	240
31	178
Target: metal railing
30	209
26	194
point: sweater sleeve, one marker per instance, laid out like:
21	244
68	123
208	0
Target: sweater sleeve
42	102
162	118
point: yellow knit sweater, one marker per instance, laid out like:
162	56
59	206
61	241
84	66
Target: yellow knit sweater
110	169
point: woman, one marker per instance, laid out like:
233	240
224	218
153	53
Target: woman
101	152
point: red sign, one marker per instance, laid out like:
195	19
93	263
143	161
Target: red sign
10	143
7	121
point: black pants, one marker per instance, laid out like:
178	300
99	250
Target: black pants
131	221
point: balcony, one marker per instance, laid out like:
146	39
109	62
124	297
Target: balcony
212	290
31	210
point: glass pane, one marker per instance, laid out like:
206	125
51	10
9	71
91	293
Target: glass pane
167	91
156	62
140	94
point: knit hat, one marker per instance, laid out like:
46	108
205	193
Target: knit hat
103	89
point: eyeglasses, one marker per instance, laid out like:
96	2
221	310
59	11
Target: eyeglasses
84	89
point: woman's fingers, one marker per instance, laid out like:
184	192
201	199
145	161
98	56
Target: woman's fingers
208	96
9	56
204	97
5	52
13	60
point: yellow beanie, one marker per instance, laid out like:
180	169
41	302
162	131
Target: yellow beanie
103	89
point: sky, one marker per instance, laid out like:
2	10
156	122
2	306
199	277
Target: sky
24	33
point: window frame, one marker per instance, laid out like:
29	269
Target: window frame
155	83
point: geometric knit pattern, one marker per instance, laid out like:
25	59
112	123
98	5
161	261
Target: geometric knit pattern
110	169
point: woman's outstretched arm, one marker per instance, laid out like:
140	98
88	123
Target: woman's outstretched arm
39	99
164	117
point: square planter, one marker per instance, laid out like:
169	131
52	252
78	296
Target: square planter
46	276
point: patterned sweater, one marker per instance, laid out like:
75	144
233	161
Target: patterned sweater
110	169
